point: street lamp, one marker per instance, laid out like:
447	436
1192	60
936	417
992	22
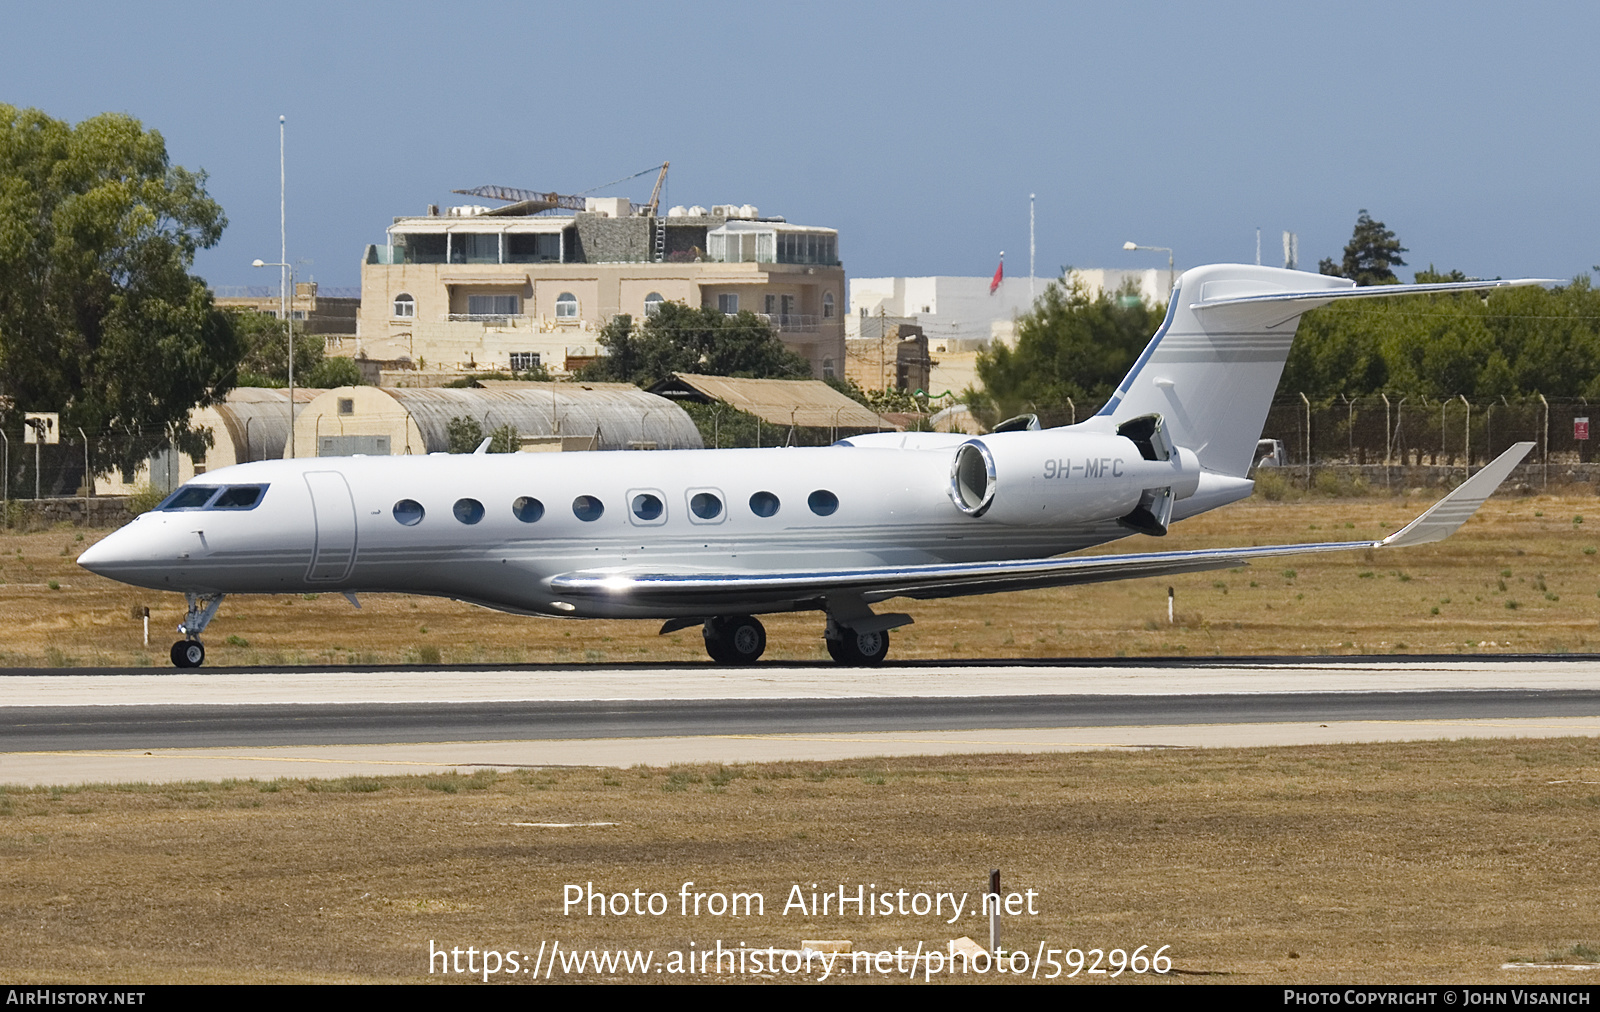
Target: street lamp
1171	278
286	278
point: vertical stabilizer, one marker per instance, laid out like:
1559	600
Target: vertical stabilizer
1211	370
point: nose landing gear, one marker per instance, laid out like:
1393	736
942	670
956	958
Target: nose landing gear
190	652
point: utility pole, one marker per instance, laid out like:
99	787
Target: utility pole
1030	249
283	260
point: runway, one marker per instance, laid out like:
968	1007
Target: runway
63	727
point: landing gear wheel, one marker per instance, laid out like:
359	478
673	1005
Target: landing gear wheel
188	653
735	639
858	649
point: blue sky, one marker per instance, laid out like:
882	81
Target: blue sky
917	130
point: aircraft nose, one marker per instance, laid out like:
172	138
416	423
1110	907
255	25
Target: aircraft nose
102	556
116	555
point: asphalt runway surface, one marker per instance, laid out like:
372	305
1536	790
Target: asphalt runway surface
68	726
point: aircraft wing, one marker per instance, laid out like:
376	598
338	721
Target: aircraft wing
754	591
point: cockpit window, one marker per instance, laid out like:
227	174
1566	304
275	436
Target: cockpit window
239	497
213	497
189	497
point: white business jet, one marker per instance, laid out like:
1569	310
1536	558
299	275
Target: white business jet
715	537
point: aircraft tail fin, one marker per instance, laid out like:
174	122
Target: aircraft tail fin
1213	367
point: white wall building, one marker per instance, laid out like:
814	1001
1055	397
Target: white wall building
959	314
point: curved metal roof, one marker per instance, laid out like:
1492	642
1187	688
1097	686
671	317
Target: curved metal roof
257	420
616	414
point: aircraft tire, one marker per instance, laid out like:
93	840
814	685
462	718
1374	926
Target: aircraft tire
862	650
735	639
188	654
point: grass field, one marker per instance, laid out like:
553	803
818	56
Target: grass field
1431	862
1521	576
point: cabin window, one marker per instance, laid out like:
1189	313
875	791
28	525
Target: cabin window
409	512
468	511
706	505
648	506
764	504
527	509
822	502
587	508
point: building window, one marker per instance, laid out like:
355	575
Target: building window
567	306
652	304
771	305
524	361
827	368
728	305
492	305
405	307
347	406
827	305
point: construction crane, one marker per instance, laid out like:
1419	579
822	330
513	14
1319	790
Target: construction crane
525	202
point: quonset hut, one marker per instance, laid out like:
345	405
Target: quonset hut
544	416
252	423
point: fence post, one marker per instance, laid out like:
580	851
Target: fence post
1307	400
1546	404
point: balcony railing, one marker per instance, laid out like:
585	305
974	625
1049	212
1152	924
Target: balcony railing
489	319
792	323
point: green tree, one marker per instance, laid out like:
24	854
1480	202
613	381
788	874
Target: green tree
1070	345
332	371
1371	255
680	339
1513	342
265	362
99	316
465	435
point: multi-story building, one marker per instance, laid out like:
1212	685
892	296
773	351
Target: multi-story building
476	289
330	312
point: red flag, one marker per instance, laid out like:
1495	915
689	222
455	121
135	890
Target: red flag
999	275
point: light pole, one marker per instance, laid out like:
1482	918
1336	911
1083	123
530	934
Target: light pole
1171	277
287	277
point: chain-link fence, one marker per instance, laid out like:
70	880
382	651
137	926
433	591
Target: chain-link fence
1439	434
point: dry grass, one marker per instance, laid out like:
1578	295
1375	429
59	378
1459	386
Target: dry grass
1380	863
1521	577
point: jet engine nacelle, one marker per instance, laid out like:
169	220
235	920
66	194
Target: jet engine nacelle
1044	477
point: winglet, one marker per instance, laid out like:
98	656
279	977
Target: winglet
483	447
1449	513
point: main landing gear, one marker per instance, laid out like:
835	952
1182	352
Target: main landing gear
189	652
856	649
741	639
735	639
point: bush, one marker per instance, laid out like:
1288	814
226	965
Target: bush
144	499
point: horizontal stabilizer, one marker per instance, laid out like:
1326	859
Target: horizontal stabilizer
712	593
1325	295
